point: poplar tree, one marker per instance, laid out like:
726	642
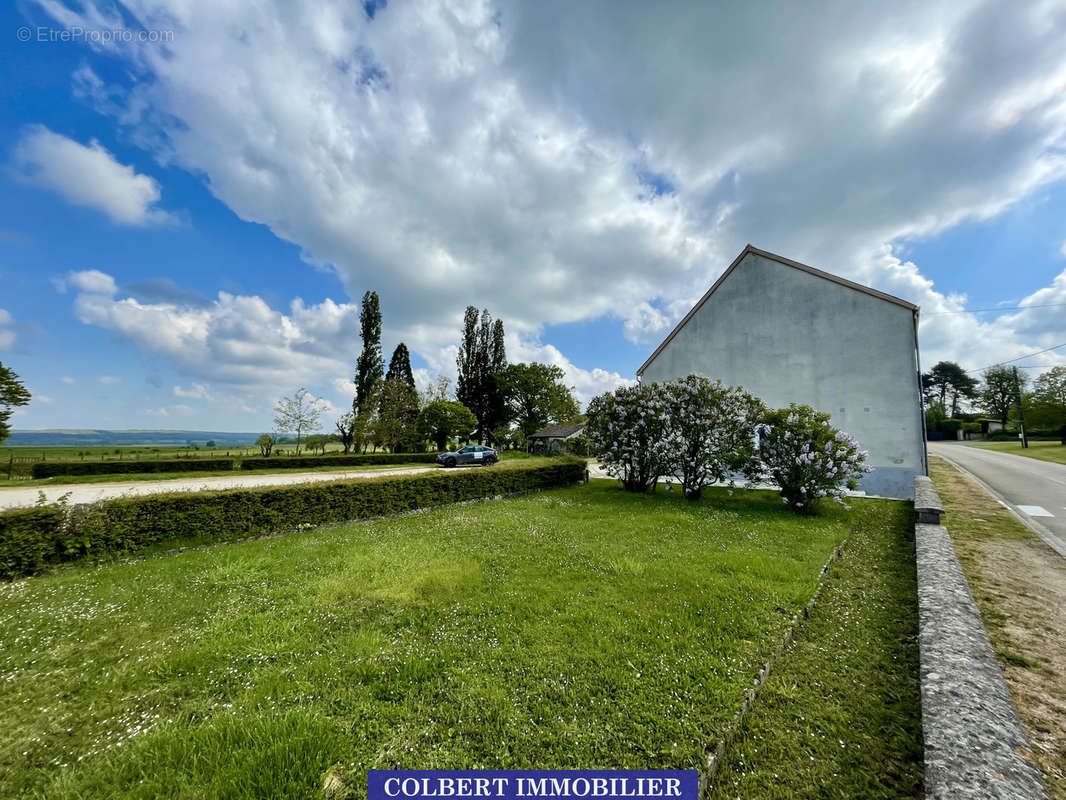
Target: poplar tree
482	355
370	366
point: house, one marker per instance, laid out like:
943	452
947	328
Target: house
790	333
554	438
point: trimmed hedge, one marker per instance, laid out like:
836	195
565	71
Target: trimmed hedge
1033	436
50	469
29	539
358	460
131	524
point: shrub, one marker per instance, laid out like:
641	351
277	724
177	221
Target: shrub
808	458
50	469
29	539
951	427
362	460
579	445
710	433
627	428
32	538
265	443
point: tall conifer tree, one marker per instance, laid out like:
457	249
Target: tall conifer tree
370	366
481	356
400	366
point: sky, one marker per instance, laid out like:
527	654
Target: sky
195	194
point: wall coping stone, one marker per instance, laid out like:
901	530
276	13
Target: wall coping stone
973	738
927	503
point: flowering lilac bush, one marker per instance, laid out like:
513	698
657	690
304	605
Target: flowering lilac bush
808	458
627	429
710	433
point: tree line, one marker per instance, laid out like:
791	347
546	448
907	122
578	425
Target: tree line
950	392
494	401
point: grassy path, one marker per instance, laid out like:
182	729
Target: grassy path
839	716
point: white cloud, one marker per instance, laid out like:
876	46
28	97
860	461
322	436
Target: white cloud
585	383
180	410
68	380
524	156
90	280
42	398
109	379
198	391
236	341
88	176
7	337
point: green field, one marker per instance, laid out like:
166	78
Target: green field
1043	451
580	627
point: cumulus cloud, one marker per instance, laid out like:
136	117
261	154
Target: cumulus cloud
68	380
88	176
109	380
91	280
561	161
236	341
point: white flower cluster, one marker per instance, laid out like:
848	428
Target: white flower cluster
702	432
808	458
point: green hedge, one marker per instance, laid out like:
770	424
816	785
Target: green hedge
1034	436
50	469
358	460
29	539
130	524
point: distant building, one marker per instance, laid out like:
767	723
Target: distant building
554	438
789	333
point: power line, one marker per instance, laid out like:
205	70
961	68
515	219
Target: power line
1001	308
1019	358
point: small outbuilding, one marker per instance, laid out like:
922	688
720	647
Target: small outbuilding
790	333
553	439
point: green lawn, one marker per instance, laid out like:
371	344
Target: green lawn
579	627
1044	451
838	717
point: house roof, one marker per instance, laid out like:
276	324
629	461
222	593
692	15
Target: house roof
788	262
559	431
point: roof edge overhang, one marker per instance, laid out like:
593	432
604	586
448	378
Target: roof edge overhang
751	249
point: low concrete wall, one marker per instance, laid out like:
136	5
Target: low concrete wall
973	736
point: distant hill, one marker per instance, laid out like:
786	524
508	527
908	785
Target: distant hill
69	437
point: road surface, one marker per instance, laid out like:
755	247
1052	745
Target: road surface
91	492
1034	490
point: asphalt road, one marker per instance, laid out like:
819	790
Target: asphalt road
1034	490
91	492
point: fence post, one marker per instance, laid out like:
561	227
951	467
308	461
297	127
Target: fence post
10	466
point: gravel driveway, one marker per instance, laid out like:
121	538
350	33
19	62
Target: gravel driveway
91	492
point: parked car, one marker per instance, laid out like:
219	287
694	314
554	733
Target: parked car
471	454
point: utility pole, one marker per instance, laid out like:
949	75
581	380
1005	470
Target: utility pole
1021	414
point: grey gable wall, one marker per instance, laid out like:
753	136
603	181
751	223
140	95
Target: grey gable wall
791	337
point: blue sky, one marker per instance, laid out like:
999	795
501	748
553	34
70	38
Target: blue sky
187	225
